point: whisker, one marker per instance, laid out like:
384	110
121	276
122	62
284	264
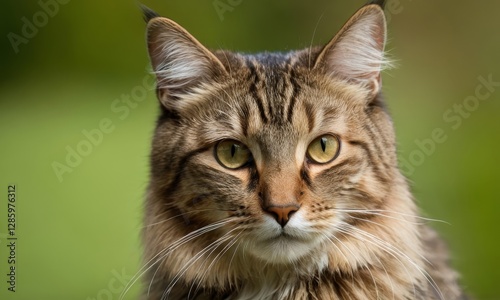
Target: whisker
211	247
340	250
217	257
371	222
391	248
309	54
194	258
183	214
352	253
379	212
388	277
147	266
381	246
235	251
385	226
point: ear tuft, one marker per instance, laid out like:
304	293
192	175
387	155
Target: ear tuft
380	3
356	53
148	13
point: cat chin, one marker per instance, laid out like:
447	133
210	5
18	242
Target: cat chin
281	250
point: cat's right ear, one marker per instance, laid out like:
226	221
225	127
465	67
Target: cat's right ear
180	62
356	53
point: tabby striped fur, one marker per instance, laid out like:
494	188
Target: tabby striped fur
357	234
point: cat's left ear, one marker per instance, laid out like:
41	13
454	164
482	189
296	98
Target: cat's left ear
356	53
180	62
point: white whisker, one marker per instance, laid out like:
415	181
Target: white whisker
217	257
389	248
192	211
161	254
211	247
380	212
380	244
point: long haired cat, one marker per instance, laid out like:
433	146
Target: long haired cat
275	176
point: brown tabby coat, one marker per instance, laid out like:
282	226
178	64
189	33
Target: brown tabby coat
210	232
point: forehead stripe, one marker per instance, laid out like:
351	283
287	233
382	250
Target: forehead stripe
253	90
293	99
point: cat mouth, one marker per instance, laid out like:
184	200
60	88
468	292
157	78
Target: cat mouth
281	237
288	236
284	236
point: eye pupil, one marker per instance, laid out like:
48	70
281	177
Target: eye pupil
323	144
233	150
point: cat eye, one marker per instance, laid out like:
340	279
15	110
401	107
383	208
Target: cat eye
323	149
232	154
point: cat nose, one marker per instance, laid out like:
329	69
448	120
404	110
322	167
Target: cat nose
282	213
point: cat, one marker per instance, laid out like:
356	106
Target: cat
275	175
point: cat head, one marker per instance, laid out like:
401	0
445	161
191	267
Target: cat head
272	157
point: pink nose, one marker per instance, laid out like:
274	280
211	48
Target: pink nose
282	213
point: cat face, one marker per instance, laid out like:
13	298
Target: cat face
272	156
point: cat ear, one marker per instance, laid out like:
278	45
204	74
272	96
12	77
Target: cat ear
180	62
356	53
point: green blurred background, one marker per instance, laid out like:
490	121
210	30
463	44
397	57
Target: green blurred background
78	234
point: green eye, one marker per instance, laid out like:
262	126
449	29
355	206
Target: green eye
324	149
232	154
